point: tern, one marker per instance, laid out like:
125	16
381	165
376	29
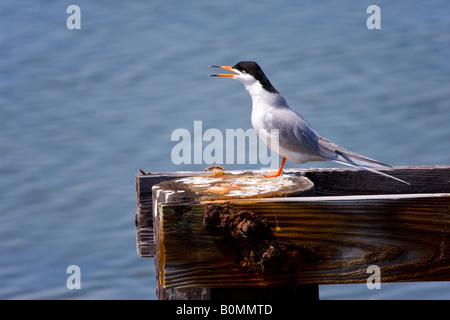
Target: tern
274	120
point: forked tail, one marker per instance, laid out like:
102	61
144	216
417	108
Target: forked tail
341	155
349	161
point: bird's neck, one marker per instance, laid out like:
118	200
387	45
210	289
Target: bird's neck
263	99
260	95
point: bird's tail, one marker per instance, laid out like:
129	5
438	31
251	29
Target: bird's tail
350	162
353	159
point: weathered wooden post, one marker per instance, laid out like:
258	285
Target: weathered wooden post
215	241
217	237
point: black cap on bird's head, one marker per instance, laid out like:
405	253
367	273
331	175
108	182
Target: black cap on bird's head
243	70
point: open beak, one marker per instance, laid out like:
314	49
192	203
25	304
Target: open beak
224	74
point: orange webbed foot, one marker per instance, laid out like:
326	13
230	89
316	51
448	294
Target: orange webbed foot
273	174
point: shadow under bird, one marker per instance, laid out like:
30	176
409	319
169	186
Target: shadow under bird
274	120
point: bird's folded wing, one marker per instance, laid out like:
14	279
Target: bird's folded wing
339	154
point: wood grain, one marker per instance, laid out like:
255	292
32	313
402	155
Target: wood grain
336	182
210	187
335	240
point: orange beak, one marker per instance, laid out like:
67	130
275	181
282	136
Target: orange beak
224	74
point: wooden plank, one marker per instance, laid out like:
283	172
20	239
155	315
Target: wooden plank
344	181
145	241
326	240
341	181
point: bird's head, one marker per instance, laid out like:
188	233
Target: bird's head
247	72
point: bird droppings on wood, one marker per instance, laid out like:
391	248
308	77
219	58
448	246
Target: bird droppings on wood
230	186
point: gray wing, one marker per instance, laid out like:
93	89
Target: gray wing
342	155
297	135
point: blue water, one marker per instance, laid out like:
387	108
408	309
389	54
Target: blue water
82	110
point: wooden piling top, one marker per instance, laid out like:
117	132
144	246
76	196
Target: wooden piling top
224	186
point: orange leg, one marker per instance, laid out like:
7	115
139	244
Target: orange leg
276	173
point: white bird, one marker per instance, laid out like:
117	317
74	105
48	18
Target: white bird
273	119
